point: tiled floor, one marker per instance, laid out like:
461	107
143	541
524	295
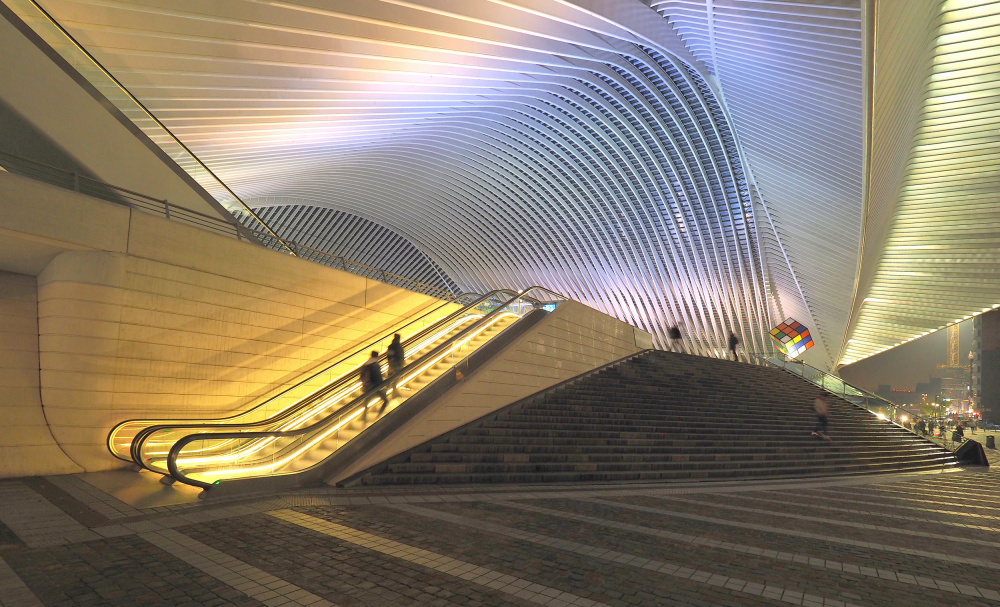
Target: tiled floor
928	539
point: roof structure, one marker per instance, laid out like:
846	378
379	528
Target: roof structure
714	164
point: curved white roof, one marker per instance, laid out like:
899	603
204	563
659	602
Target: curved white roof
722	164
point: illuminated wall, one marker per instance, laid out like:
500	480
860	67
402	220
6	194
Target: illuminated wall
932	255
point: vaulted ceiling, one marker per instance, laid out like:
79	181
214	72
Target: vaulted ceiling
711	163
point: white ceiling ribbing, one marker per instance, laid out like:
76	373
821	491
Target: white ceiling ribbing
350	237
514	142
939	261
792	80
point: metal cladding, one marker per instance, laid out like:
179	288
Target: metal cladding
513	143
791	73
717	164
354	238
932	255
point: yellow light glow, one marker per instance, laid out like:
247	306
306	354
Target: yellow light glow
321	437
303	418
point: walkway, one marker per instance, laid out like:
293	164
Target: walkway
927	539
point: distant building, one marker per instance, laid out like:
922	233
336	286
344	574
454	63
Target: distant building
955	374
894	395
986	365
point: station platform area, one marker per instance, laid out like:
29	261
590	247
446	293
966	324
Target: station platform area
927	538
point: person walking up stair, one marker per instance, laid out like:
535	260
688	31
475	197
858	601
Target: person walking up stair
733	342
371	379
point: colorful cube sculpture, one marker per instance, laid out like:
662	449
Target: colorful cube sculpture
792	338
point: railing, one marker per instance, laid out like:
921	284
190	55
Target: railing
87	66
203	459
215	224
881	407
126	438
63	43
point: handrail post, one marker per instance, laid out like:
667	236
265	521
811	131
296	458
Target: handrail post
166	208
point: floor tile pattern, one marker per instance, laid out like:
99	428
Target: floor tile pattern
518	587
263	586
921	539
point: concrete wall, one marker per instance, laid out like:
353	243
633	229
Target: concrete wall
138	316
26	445
571	340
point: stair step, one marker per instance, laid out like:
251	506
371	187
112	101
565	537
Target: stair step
663	416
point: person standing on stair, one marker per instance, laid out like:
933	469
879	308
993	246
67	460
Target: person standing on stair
674	333
822	408
371	379
397	358
733	342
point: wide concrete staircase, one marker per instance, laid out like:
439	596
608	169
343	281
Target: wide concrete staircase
661	416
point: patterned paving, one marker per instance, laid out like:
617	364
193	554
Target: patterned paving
921	539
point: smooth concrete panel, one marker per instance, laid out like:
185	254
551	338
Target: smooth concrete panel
570	341
139	317
210	333
26	445
38	221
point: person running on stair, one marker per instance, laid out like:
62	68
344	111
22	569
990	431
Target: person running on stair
371	379
733	342
397	358
822	409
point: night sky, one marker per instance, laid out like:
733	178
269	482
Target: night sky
906	365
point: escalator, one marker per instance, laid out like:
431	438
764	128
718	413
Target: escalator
126	438
294	443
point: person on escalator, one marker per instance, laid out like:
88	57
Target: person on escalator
371	379
397	358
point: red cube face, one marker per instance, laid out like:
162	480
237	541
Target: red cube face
792	338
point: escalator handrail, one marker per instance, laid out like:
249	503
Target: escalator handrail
326	368
139	440
360	400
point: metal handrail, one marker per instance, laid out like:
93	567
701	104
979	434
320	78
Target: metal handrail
161	207
326	368
108	77
139	439
855	391
175	450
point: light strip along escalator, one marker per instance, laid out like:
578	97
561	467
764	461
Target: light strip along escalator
150	446
127	439
208	458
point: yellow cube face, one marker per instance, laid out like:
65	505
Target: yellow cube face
792	338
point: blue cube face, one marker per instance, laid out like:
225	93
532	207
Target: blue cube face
792	338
